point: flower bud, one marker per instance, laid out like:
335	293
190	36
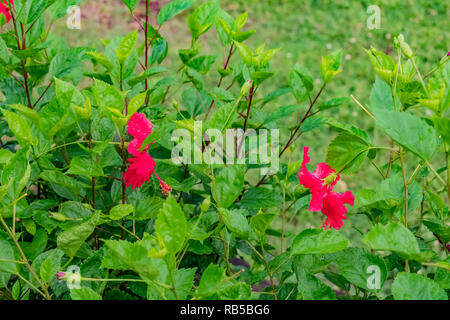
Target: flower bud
400	43
175	104
58	216
205	204
246	87
61	275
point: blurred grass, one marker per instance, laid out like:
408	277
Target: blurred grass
305	30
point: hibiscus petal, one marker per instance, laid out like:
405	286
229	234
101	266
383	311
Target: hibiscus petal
313	183
334	208
139	126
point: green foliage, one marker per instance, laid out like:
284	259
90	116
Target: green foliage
67	214
316	241
408	286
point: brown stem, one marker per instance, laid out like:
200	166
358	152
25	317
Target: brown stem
20	82
24	70
146	42
25	260
225	66
391	160
447	160
405	187
294	135
42	95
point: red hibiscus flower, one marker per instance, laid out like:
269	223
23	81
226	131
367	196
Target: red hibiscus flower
142	166
4	9
321	182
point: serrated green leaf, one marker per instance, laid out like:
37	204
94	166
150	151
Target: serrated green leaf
229	184
171	225
318	241
173	8
396	238
410	286
120	211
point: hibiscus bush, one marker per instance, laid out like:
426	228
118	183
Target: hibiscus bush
101	195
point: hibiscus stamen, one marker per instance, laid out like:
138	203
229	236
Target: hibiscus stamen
330	179
165	188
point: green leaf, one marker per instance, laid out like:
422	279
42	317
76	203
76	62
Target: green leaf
261	198
246	53
261	76
173	8
361	268
37	246
46	271
146	74
4	53
261	222
318	241
442	126
19	127
442	275
102	59
223	95
240	21
126	46
16	173
347	152
86	166
410	286
267	56
70	240
120	211
301	83
7	253
195	101
61	179
124	255
131	4
281	113
84	293
55	117
223	118
396	238
203	17
310	287
382	63
438	227
410	131
211	280
28	113
51	257
172	225
229	185
242	35
381	96
330	65
183	279
107	96
236	222
332	103
135	103
202	64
